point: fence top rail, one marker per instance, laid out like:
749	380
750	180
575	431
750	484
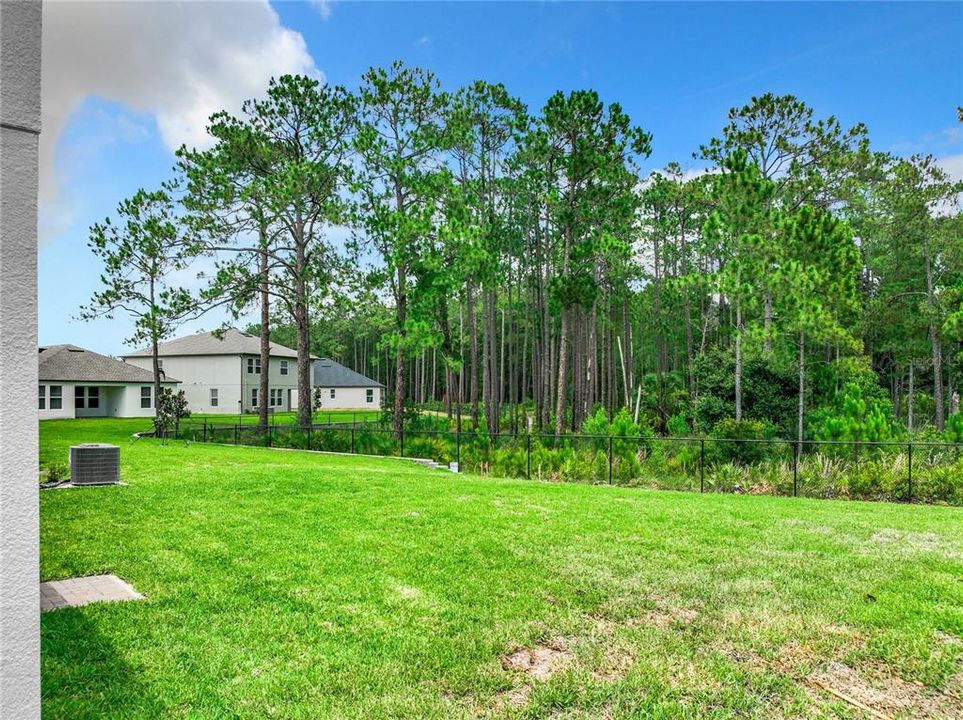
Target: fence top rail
903	443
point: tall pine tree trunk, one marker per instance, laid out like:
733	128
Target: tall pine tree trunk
738	374
264	335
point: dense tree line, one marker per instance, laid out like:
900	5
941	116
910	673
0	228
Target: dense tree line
523	268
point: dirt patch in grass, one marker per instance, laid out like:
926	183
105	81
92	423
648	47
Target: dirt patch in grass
917	542
539	662
666	618
514	698
887	696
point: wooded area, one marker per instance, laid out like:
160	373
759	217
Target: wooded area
525	268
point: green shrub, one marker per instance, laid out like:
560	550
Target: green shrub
954	428
854	418
57	472
747	450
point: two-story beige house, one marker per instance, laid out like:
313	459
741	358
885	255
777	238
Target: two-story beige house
223	374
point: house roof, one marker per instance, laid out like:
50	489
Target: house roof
69	363
231	342
331	374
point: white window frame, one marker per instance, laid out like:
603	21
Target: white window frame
214	397
254	366
57	397
254	398
369	395
284	367
148	396
332	395
43	397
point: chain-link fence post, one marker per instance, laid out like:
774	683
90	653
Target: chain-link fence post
909	472
528	453
610	459
702	465
352	439
795	469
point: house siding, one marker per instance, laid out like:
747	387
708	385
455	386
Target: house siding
228	374
350	398
116	400
20	27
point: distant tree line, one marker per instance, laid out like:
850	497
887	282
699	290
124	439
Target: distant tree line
521	269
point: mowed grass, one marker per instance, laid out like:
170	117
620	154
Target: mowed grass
296	585
288	417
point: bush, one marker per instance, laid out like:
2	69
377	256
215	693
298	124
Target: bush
954	428
854	418
750	448
57	472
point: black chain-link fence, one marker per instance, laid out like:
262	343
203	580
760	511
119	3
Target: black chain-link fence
885	471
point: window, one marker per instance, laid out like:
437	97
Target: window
79	396
43	397
56	397
369	395
93	397
275	398
284	367
254	366
253	397
160	364
146	396
213	397
332	393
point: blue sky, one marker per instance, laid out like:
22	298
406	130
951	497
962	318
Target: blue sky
676	68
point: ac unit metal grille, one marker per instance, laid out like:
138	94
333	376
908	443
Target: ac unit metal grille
94	464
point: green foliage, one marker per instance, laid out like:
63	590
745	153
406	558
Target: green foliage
749	447
768	388
55	472
855	418
678	425
954	428
171	408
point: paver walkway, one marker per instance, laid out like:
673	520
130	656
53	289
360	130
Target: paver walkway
75	592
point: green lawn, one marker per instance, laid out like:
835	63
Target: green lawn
295	585
288	417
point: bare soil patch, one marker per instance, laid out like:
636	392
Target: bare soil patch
539	662
886	696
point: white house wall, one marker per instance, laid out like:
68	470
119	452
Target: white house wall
198	374
350	398
276	380
67	404
128	400
116	400
20	24
228	374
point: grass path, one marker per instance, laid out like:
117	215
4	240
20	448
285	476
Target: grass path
292	585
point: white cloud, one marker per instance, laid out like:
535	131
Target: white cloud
177	61
323	7
952	165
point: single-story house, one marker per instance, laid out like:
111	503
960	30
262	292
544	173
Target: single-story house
341	388
75	382
221	373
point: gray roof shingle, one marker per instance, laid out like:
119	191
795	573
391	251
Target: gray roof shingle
69	363
331	374
232	342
